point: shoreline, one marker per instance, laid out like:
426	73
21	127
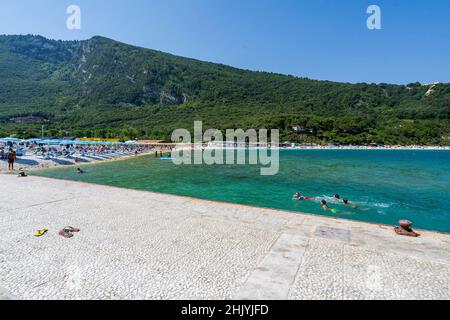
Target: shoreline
23	163
40	164
151	154
406	148
239	205
399	148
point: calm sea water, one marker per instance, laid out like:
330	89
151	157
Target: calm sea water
385	185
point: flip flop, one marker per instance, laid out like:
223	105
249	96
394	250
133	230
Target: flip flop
65	234
41	232
71	229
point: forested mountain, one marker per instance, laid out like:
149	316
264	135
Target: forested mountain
103	88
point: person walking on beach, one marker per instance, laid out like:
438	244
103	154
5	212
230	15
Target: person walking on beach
11	159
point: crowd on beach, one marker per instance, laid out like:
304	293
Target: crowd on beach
29	154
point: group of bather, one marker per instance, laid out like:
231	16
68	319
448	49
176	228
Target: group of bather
336	199
69	151
74	151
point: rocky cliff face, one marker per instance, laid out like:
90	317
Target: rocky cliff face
103	70
105	65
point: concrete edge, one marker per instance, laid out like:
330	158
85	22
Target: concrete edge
306	215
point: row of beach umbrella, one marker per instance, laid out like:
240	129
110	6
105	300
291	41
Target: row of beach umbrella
65	142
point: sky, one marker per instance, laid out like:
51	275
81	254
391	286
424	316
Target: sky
318	39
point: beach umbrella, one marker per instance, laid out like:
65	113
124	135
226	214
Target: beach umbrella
80	142
66	142
50	142
11	140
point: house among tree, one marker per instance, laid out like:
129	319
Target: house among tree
298	129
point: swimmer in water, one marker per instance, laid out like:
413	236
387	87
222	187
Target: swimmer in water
337	197
324	205
79	170
299	197
327	208
347	203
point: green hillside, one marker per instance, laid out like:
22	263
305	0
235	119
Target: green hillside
103	88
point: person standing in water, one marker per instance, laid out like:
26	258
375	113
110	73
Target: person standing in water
11	159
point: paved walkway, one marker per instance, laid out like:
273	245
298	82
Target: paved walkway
141	245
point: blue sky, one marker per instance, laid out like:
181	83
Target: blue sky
319	39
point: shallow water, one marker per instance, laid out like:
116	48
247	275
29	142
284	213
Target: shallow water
384	185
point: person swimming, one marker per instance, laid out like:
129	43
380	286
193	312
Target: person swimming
336	197
79	170
347	203
327	208
325	205
299	197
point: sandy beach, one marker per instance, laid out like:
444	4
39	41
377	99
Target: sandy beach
143	245
33	162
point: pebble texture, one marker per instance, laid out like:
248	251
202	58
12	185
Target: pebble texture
141	245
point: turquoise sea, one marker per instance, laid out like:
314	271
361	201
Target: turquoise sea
384	185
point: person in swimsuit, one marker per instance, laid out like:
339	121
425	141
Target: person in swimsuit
347	203
324	205
11	159
299	197
337	197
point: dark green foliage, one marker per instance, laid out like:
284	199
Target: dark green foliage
100	87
